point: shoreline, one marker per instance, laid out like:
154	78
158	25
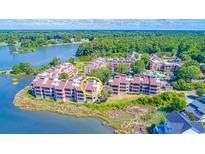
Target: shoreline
126	121
20	51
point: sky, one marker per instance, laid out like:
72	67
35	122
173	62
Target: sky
100	24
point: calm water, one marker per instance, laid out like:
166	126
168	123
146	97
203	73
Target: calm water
40	57
13	120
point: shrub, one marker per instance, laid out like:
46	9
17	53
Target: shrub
200	92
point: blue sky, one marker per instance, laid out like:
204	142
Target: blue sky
118	24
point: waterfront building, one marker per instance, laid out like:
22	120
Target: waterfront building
68	90
47	85
137	84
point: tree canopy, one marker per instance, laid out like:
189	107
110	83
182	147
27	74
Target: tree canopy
138	66
121	68
71	60
63	76
104	74
202	67
23	68
200	92
188	73
145	57
55	61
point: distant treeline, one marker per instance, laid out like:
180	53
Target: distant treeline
184	45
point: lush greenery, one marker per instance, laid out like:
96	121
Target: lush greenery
188	73
146	58
63	76
71	60
138	66
183	85
25	68
166	101
121	68
105	94
185	45
30	40
104	74
202	67
55	61
200	92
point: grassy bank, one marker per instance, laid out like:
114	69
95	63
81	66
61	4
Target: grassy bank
3	44
5	72
129	119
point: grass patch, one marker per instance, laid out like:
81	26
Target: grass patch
3	44
123	117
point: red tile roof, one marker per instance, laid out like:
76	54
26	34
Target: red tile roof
47	83
60	85
69	84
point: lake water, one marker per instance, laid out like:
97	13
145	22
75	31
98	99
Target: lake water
14	120
40	57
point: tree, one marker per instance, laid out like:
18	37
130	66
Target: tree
104	74
71	60
188	73
23	68
55	61
138	66
178	104
145	57
192	63
181	85
106	92
200	92
202	67
63	75
121	68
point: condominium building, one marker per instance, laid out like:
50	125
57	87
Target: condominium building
109	62
155	63
99	62
47	85
54	72
170	66
143	84
68	90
